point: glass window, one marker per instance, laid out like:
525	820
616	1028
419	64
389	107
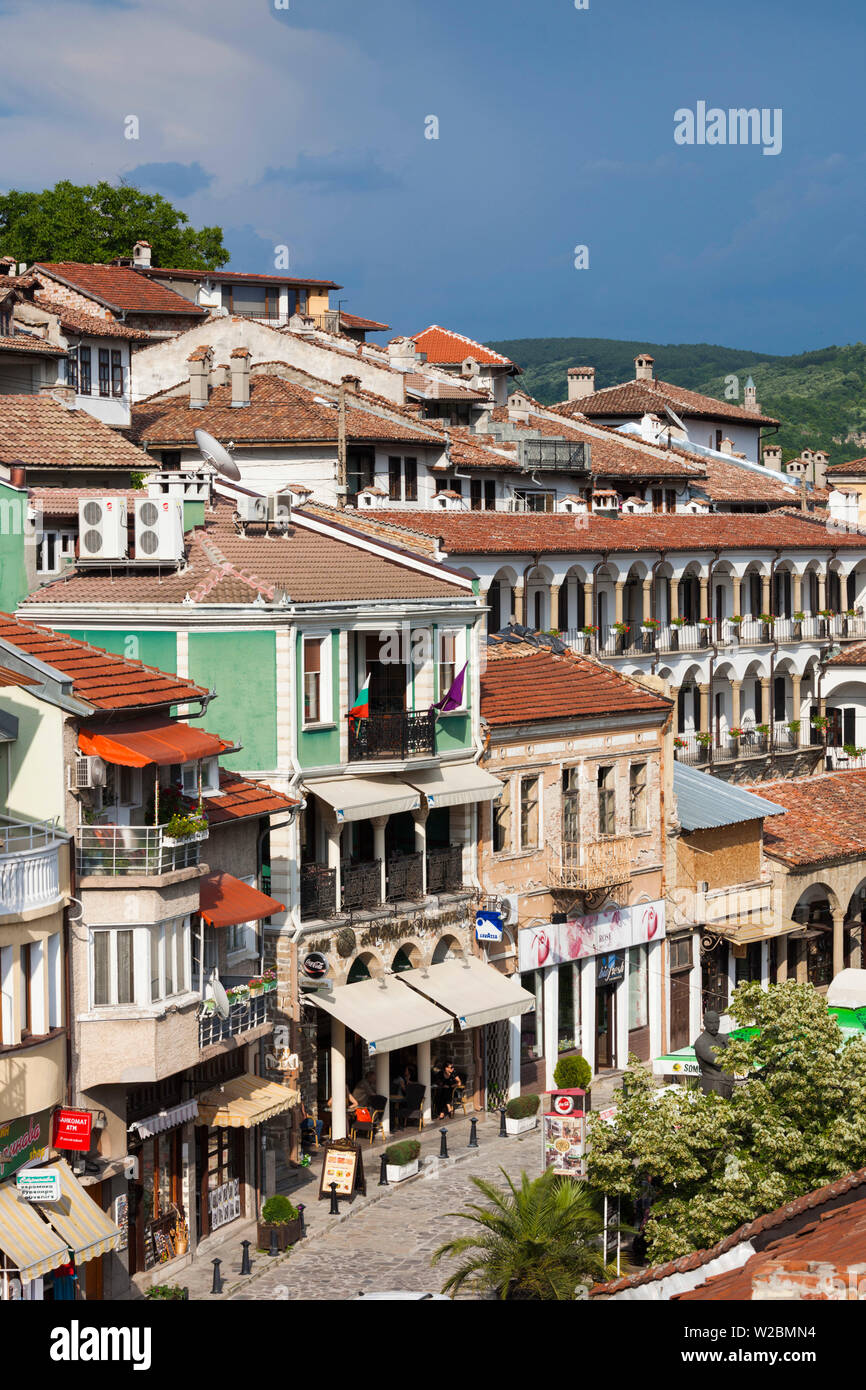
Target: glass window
570	805
104	372
606	801
532	1024
529	812
395	480
475	495
46	553
501	811
447	661
101	968
638	993
569	1007
410	470
116	372
125	984
637	795
312	680
84	371
155	941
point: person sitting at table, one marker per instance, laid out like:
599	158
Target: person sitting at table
366	1090
310	1127
399	1087
445	1080
352	1104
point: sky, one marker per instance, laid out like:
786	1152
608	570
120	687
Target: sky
306	126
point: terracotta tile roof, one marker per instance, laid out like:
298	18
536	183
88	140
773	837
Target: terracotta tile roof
728	482
523	683
444	346
40	432
611	453
856	467
225	567
76	321
118	287
62	502
240	798
355	321
279	410
855	655
25	342
106	681
433	390
638	397
162	272
832	1193
823	818
490	533
9	678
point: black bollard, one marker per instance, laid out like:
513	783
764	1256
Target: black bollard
217	1285
301	1210
334	1209
503	1132
443	1147
246	1267
383	1176
275	1249
473	1134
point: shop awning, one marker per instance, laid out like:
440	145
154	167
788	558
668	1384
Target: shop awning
385	1013
454	784
357	798
474	992
25	1239
77	1219
166	1119
150	741
243	1102
744	932
225	901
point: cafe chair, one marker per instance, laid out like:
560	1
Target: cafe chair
377	1107
414	1112
458	1097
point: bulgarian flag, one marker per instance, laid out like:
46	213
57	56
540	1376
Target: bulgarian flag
361	707
453	697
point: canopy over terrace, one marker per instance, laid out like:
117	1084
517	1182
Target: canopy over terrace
226	901
150	742
474	992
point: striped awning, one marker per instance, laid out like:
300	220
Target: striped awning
26	1241
166	1119
77	1219
243	1102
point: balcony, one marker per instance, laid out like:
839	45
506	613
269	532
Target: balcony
318	891
392	734
404	878
361	885
598	864
445	869
112	851
752	741
244	1016
29	866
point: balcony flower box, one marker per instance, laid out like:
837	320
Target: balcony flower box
192	838
521	1114
238	994
402	1160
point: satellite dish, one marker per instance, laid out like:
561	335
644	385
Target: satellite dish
214	453
221	999
672	416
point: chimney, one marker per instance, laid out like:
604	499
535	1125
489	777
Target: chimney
199	371
750	397
352	384
726	446
141	254
17	474
581	382
403	355
60	391
643	367
240	369
773	457
820	460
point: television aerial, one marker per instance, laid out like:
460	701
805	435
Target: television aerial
217	456
221	999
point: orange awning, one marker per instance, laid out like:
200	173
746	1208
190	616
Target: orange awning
150	741
225	901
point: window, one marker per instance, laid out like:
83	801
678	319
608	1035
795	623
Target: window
317	705
46	553
532	1023
606	801
26	989
490	494
529	789
243	938
670	499
84	384
169	958
570	805
501	812
116	372
72	370
680	948
637	796
123	785
638	992
447	661
657	499
475	496
170	459
527	501
410	469
395	480
113	968
104	372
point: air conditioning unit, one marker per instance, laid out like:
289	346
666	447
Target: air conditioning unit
279	508
252	508
158	529
509	907
102	528
87	772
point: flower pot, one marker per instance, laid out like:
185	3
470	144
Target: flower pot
522	1125
173	841
256	990
287	1234
399	1172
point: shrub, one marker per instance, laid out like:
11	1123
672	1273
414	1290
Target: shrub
572	1071
521	1107
403	1152
278	1211
171	1291
181	827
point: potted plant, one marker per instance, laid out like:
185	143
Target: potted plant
238	994
735	619
678	622
279	1216
793	727
819	722
184	828
588	630
256	986
680	743
521	1113
573	1072
167	1291
763	732
620	627
736	731
208	1006
269	981
402	1160
703	741
650	625
799	618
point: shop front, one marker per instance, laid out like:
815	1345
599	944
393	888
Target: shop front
228	1170
51	1230
158	1230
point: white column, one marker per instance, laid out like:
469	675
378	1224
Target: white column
587	1009
334	832
420	819
695	989
765	964
424	1078
551	1024
378	823
383	1086
732	971
657	986
38	989
338	1080
514	1027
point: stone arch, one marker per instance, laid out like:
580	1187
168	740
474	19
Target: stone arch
367	965
537	586
572	613
499	596
447	947
408	956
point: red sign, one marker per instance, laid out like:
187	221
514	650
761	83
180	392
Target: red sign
72	1129
568	1102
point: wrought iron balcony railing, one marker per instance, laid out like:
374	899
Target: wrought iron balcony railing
360	885
595	864
392	734
445	869
318	890
405	878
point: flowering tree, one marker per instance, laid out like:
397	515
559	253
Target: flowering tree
798	1122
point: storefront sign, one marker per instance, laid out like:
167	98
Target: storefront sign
344	1166
610	969
315	965
570	1102
488	926
37	1186
72	1129
22	1140
564	1144
595	934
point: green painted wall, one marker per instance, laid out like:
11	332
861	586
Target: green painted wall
13	570
153	648
319	747
454	730
242	668
193	515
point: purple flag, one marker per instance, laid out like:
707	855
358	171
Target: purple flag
453	699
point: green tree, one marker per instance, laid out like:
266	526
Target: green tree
536	1241
98	222
798	1122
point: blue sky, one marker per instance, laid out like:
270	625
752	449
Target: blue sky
305	126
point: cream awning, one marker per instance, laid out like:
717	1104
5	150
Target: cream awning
454	784
77	1219
166	1119
474	992
25	1239
243	1102
385	1013
357	798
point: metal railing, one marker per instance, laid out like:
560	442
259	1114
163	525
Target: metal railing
391	734
113	850
360	885
244	1015
404	878
29	865
318	890
595	863
445	869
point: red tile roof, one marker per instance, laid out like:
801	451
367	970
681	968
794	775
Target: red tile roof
40	432
355	321
118	287
92	325
162	272
443	346
856	467
638	397
523	683
106	681
25	342
823	818
855	655
241	798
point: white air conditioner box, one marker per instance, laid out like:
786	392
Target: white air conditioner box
87	772
102	528
158	529
252	508
279	508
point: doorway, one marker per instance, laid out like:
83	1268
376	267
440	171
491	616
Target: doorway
605	1026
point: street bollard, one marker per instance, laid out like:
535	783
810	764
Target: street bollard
246	1267
301	1210
473	1134
443	1147
275	1249
334	1209
383	1176
217	1285
503	1132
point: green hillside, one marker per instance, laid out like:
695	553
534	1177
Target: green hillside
820	396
